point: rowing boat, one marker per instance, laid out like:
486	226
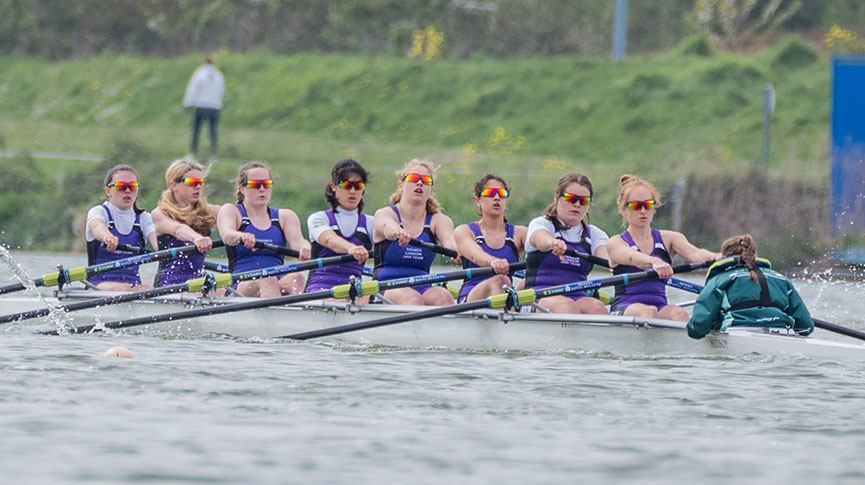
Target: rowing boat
488	330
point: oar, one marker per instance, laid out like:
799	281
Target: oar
193	285
65	276
522	297
340	291
674	282
208	265
434	248
832	327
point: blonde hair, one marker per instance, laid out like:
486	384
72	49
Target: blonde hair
242	177
744	247
432	205
551	212
197	216
629	182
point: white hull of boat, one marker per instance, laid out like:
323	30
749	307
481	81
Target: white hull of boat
477	330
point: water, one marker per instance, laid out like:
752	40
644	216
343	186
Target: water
225	411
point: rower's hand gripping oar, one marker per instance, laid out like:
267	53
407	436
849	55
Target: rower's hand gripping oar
348	290
65	276
500	301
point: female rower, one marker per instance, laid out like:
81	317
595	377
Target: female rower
744	291
491	241
342	229
183	216
415	213
563	226
640	247
118	221
241	225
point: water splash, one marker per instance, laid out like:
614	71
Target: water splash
56	315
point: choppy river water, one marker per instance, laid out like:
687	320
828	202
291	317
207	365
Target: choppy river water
226	411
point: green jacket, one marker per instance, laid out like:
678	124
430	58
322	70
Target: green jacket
730	298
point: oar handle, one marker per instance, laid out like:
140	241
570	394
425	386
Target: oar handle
588	257
277	249
218	267
434	248
129	248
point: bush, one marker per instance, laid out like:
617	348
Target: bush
793	52
695	46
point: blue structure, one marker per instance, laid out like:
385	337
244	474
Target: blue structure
847	174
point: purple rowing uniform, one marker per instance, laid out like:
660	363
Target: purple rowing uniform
180	269
97	254
330	276
648	292
393	261
508	251
241	258
545	269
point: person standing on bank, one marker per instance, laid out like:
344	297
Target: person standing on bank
204	94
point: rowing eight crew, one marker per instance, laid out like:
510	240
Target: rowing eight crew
183	216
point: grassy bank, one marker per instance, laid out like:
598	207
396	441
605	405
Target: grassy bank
685	112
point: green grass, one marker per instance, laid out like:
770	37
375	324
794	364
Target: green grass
662	117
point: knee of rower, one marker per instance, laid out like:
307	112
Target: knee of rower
592	305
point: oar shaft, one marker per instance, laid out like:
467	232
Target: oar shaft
11	288
434	312
277	249
434	248
215	310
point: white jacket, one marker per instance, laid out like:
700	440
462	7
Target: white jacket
205	89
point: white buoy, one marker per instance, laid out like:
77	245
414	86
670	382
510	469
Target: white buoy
119	352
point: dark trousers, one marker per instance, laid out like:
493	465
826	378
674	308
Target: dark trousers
201	114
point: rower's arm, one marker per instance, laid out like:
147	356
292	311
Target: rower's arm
679	244
619	252
443	228
167	225
100	232
227	221
469	249
385	225
293	234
